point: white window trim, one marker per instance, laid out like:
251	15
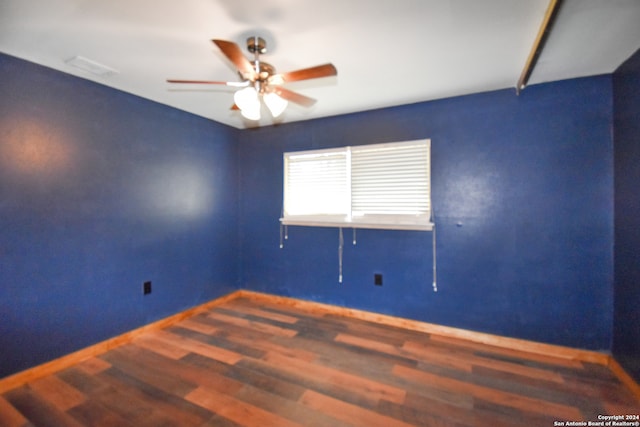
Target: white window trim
420	222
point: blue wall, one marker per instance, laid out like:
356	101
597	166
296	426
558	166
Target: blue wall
100	191
626	331
523	198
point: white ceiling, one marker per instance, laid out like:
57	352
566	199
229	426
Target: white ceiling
387	52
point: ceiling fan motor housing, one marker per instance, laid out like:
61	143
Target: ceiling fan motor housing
256	44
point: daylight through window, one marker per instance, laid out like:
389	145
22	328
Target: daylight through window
368	186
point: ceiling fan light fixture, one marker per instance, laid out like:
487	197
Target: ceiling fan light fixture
251	114
276	104
251	111
249	103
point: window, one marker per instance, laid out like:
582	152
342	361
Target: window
367	186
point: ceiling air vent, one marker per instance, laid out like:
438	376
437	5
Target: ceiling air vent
91	66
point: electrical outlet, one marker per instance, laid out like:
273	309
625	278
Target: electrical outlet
377	279
146	288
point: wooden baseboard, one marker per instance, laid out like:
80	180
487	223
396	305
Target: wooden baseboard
71	359
624	377
430	328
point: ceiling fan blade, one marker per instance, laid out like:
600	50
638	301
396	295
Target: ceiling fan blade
235	55
318	71
234	107
294	97
209	82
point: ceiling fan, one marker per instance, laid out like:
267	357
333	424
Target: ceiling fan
260	80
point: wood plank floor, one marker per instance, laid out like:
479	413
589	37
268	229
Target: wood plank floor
249	363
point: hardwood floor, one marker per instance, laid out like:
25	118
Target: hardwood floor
250	363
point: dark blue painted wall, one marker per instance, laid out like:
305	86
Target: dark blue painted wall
100	191
626	330
523	198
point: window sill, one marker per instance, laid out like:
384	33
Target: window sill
358	223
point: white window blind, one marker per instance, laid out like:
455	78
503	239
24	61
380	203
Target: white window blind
317	183
367	186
